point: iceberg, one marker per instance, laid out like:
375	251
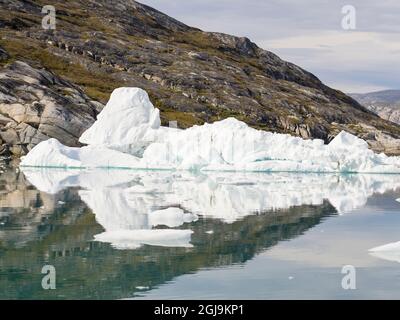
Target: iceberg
390	251
52	153
125	123
128	134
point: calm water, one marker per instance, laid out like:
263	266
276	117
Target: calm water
122	234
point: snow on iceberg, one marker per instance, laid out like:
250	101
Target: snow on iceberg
125	122
52	153
128	134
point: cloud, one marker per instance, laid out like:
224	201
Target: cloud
310	35
350	61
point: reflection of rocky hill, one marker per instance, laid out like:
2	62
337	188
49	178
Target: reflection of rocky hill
94	270
385	103
63	235
25	210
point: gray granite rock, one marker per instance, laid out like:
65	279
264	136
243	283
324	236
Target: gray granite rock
35	105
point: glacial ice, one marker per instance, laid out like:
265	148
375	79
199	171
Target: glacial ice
127	134
390	251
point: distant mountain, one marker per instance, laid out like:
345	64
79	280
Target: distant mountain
384	97
385	103
191	76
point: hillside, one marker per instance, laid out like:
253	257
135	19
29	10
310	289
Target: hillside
192	76
385	103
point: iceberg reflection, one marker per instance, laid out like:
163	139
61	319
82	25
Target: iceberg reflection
143	207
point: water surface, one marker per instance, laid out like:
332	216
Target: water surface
111	234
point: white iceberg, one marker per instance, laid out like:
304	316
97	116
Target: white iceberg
126	122
128	134
171	217
390	252
52	153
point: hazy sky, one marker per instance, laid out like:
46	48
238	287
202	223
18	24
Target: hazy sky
309	33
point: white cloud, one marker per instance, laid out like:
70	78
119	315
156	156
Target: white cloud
350	61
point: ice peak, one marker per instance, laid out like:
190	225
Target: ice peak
345	140
126	118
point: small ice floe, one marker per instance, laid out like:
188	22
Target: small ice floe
210	231
171	217
142	288
398	200
390	252
290	277
61	202
133	239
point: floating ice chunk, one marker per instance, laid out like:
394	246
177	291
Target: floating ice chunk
398	200
390	251
133	239
128	134
52	153
171	217
393	246
345	140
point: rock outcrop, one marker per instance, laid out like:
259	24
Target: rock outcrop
35	104
385	104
